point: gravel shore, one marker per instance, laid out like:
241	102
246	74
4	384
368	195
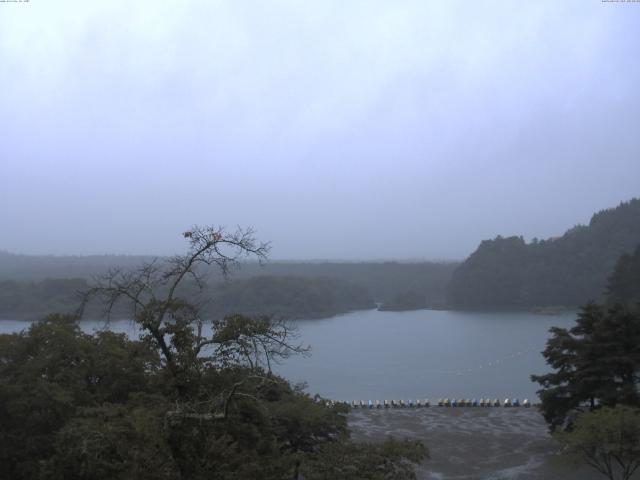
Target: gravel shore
473	443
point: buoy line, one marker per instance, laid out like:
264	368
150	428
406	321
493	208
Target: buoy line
494	363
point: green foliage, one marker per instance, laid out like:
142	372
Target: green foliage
391	460
74	405
411	300
112	441
607	439
624	281
31	287
49	373
565	271
293	297
34	300
596	363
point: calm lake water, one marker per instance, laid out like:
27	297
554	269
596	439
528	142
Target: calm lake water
418	354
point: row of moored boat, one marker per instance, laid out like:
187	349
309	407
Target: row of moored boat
442	402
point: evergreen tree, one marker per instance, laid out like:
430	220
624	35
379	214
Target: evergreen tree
596	363
624	281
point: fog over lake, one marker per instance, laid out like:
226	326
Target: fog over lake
417	354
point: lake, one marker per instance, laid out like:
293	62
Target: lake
408	355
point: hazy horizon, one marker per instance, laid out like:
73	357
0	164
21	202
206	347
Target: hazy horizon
339	131
292	260
301	260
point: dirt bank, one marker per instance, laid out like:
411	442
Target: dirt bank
473	443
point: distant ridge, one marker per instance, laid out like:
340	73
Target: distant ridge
507	272
32	286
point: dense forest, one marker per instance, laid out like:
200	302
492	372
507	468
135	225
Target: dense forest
411	300
284	296
32	286
565	271
102	406
34	300
292	297
624	283
383	280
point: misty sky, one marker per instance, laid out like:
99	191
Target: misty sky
339	130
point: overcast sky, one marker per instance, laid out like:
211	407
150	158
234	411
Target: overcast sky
339	130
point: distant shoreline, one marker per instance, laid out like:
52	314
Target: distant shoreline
541	311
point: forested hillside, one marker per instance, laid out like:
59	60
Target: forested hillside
32	286
292	297
565	271
624	282
40	267
282	296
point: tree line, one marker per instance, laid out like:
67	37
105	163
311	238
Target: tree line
31	286
286	296
508	272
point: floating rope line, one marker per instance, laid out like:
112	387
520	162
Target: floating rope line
495	363
441	402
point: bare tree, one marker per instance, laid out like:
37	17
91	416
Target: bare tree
152	293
